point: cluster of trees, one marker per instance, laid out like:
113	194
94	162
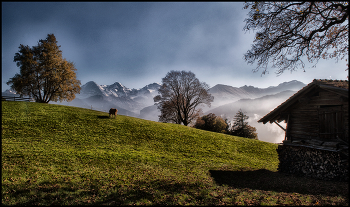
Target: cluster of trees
179	101
239	126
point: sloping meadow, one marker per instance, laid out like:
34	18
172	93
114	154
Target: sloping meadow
61	155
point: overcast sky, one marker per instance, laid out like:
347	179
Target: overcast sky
138	43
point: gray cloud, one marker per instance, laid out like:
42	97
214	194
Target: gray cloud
138	43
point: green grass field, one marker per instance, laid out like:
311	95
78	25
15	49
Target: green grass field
60	155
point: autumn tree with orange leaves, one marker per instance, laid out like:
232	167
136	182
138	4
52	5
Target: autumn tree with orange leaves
44	74
288	31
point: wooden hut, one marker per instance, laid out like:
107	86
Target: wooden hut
317	130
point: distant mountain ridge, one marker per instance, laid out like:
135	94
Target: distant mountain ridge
139	102
115	90
225	94
116	95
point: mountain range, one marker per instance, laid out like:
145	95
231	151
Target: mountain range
139	102
130	101
227	94
256	102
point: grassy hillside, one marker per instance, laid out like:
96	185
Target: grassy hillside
62	155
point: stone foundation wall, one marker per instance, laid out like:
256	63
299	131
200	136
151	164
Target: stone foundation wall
315	163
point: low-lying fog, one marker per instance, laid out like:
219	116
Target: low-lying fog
254	108
266	132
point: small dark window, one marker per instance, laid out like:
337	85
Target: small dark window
331	122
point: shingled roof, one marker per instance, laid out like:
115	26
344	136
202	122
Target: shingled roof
340	87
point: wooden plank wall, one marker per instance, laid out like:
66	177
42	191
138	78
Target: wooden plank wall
346	120
304	118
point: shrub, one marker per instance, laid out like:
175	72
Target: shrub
211	122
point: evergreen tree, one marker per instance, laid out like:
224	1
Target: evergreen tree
241	128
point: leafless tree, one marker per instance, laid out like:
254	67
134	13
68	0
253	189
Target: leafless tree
288	31
180	96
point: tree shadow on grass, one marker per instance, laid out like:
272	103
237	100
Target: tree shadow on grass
275	181
46	193
168	192
160	192
59	193
103	117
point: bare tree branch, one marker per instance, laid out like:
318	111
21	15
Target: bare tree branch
288	31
